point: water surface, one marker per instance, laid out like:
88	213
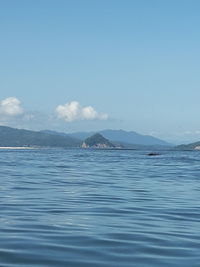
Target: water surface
99	208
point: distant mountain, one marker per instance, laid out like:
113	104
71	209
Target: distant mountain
97	141
133	138
19	137
54	133
121	136
79	135
191	146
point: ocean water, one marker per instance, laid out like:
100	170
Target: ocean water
99	208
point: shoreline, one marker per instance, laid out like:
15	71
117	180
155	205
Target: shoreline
16	147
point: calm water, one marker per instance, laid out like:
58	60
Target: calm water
99	208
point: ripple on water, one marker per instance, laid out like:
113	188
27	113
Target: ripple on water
99	208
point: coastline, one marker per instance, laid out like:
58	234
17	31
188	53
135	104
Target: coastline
16	147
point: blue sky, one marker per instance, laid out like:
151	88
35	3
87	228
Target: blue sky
134	63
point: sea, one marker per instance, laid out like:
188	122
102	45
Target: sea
89	208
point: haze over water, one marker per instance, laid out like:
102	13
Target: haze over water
99	208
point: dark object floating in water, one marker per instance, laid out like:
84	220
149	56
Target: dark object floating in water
153	154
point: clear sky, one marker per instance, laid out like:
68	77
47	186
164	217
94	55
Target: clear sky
77	65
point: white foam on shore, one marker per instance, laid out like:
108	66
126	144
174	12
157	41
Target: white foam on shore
16	147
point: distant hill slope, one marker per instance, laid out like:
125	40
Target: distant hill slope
56	133
19	137
97	141
191	146
120	136
125	137
78	135
132	138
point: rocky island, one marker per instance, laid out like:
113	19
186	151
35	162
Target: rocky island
97	141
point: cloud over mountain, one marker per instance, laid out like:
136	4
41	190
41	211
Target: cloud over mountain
10	107
72	111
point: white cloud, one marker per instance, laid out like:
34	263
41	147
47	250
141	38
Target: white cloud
10	107
74	111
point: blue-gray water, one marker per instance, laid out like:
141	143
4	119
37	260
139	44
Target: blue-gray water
99	208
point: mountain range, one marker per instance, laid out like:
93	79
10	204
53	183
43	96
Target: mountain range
119	136
20	137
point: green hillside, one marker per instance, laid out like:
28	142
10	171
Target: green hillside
18	137
97	141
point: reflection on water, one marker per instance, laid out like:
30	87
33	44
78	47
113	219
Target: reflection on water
99	208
